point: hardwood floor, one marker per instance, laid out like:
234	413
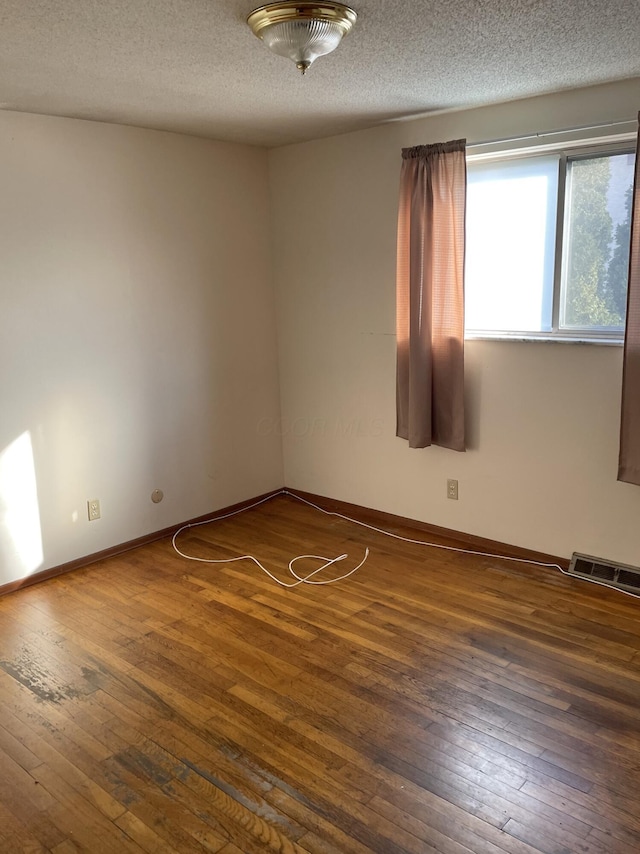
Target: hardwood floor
430	703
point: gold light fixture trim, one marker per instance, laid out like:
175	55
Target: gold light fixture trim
302	31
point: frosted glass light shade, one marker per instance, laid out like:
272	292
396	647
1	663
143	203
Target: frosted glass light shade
302	41
302	31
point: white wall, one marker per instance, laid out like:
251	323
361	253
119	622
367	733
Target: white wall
541	467
137	334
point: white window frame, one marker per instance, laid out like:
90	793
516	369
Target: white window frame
568	150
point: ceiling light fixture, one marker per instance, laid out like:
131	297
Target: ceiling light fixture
302	31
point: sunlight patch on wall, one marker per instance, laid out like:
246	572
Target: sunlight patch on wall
20	533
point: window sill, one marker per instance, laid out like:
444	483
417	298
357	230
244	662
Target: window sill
547	339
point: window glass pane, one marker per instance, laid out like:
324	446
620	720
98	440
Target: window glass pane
596	242
511	224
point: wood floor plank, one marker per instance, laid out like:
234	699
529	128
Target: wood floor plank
433	702
142	834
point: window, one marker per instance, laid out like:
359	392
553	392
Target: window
548	244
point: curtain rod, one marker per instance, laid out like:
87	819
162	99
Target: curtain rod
550	133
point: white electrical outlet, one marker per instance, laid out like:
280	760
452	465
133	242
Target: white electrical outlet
93	509
452	489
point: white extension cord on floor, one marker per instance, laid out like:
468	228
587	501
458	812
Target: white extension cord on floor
327	562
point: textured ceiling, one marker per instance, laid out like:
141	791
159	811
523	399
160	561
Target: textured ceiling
194	66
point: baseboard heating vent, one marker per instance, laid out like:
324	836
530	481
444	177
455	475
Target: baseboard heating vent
606	572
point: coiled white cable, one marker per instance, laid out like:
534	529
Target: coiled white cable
304	579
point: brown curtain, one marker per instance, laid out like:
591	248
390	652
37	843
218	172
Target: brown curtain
430	296
629	466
